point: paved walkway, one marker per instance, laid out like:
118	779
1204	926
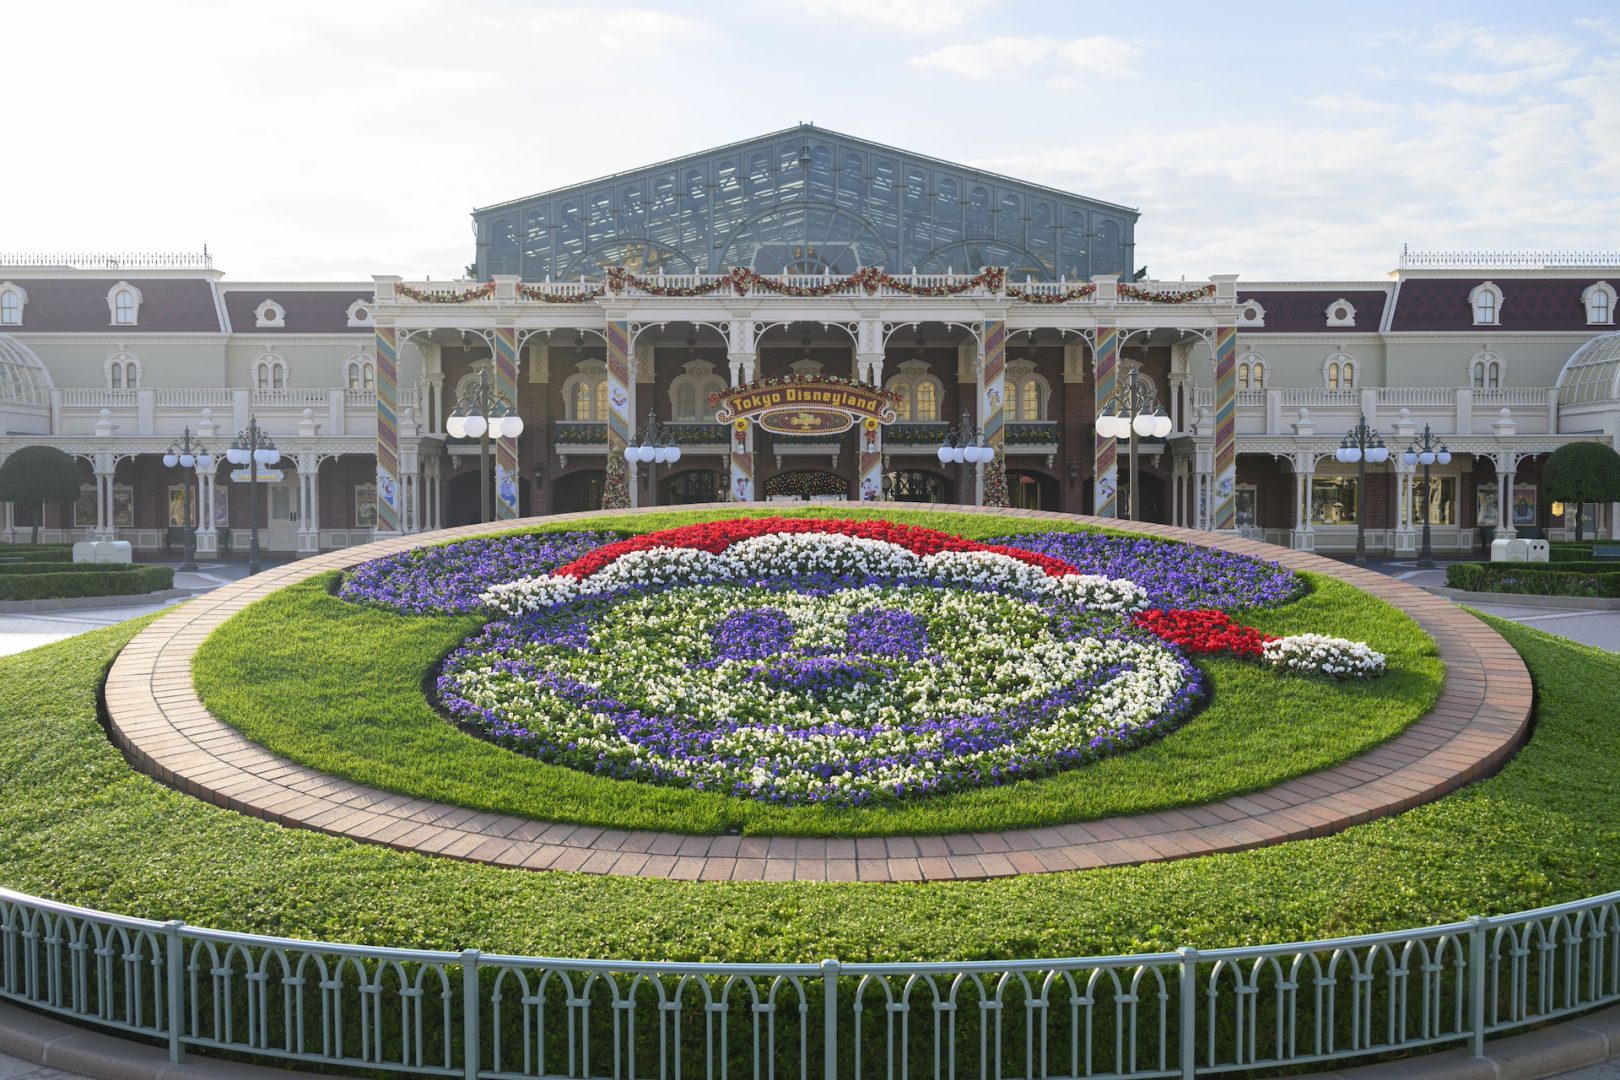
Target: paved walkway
26	631
1600	629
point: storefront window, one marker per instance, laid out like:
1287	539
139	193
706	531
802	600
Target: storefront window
1442	500
1333	500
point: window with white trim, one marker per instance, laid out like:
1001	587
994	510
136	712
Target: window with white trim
1340	371
1253	314
1341	313
585	393
359	314
12	299
1485	371
1251	371
269	373
1599	300
689	392
124	304
123	372
1486	302
920	393
360	373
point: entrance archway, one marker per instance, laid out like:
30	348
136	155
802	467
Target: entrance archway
461	504
807	484
1031	490
578	491
693	486
917	485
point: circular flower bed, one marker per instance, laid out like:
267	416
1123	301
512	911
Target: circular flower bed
840	662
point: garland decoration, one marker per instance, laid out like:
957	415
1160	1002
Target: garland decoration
618	278
1074	292
1153	296
536	292
447	296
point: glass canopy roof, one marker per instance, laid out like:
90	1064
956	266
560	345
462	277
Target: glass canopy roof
1590	374
805	200
23	378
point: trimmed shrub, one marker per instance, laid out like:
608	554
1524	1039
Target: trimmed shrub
127	581
1538	579
26	568
37	552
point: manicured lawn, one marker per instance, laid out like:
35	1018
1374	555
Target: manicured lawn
77	824
339	687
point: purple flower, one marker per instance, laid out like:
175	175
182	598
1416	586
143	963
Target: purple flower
446	579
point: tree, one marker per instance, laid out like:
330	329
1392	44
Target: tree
1579	473
36	475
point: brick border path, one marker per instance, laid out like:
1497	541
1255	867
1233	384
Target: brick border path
1481	717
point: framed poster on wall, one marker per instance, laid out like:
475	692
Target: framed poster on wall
365	506
1524	504
1485	505
1247	500
123	499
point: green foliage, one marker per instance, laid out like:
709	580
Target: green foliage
100	580
339	687
37	552
1581	472
78	825
35	475
26	568
1571	578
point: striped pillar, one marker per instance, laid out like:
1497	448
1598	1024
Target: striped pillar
388	506
742	461
1105	472
870	434
992	410
506	455
616	491
1223	509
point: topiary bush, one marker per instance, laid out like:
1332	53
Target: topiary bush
41	567
1537	579
36	475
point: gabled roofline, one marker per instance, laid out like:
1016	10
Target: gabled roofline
903	154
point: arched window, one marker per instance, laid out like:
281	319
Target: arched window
360	373
12	299
1251	372
1598	298
1486	301
1026	392
1485	371
921	394
585	392
269	373
1340	372
124	304
123	372
686	402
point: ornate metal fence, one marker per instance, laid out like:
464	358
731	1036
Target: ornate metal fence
1181	1014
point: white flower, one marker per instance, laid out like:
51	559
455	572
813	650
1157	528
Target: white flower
1322	655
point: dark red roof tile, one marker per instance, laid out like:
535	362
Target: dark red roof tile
1299	311
1528	304
79	306
309	311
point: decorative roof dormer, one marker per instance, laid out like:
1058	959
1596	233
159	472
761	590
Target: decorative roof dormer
270	314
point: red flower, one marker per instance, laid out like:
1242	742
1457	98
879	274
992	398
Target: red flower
716	536
1203	631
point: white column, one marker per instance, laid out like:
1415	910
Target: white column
1406	537
207	535
1504	502
309	537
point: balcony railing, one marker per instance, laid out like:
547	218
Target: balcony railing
1505	260
200	397
1032	433
593	433
297	396
926	434
699	433
108	260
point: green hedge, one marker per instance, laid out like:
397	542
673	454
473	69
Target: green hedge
63	567
1537	579
37	552
125	581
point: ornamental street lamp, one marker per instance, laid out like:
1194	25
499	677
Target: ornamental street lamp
482	414
1129	416
254	449
657	448
965	443
1426	450
1361	445
188	454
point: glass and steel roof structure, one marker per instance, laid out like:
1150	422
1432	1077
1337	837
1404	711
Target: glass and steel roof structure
805	200
23	378
1592	374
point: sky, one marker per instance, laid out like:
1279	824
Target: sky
339	139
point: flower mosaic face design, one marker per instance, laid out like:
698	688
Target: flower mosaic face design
812	661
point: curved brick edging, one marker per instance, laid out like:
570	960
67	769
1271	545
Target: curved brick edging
1480	718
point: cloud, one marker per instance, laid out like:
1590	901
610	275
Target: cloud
625	30
1003	56
911	15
